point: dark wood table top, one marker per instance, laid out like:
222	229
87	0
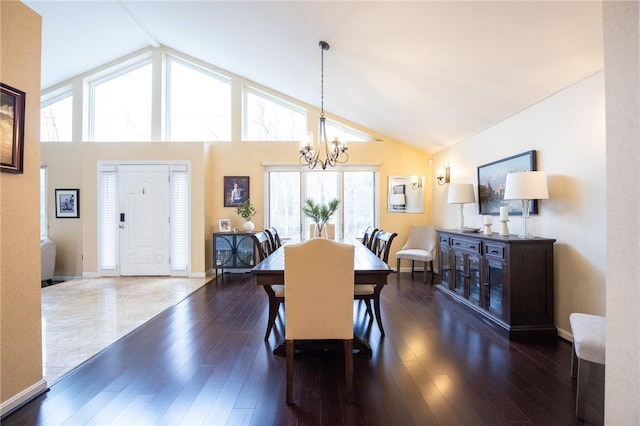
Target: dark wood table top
369	268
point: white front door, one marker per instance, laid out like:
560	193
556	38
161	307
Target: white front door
144	232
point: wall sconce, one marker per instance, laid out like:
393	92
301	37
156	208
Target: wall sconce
417	184
443	176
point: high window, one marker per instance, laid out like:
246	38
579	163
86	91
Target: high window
344	132
198	104
354	187
268	118
56	118
121	105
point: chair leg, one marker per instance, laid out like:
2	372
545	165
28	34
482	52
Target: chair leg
348	368
367	304
290	349
574	362
398	269
274	307
376	307
412	266
582	388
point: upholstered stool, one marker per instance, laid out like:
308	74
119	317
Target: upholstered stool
589	332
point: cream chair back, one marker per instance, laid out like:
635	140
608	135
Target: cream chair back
319	279
421	237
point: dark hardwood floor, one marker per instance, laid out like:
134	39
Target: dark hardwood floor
204	361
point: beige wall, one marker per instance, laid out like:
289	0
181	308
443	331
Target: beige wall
568	132
622	69
21	340
247	158
73	165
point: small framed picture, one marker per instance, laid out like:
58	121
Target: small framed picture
12	103
67	203
236	190
224	225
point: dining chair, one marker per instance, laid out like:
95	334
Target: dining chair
369	233
275	292
420	246
319	300
274	238
367	292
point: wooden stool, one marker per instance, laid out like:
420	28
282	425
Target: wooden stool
588	346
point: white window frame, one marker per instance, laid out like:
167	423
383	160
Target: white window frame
365	167
107	75
52	98
247	89
167	90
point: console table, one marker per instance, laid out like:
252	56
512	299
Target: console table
233	250
506	280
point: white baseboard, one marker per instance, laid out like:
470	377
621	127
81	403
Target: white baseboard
565	335
198	275
91	275
23	397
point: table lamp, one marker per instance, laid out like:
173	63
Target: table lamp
526	186
461	193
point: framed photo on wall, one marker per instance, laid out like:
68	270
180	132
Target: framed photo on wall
12	102
491	181
67	203
236	190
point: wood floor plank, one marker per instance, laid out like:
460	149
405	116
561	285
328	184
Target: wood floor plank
204	361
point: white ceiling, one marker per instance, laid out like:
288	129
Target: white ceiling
428	73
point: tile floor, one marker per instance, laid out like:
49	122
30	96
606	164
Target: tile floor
82	317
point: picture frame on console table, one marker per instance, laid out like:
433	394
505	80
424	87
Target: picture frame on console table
491	182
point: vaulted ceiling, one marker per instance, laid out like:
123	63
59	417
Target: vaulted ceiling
428	73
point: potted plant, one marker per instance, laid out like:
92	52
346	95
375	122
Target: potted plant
246	210
320	213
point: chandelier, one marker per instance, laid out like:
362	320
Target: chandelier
335	152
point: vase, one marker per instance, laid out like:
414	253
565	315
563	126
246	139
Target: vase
320	232
248	226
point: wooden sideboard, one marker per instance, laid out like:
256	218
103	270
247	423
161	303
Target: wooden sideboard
506	280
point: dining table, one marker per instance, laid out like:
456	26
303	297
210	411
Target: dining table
368	269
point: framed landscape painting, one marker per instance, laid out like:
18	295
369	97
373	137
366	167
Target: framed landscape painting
491	181
12	103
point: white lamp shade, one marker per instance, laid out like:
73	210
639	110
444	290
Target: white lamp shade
526	186
461	193
398	200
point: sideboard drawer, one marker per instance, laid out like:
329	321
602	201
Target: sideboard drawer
471	245
494	250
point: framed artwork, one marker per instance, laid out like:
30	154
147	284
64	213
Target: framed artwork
67	203
224	225
12	102
236	190
491	181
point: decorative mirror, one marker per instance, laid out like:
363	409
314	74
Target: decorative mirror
406	194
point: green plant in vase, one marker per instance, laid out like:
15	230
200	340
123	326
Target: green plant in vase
320	213
246	211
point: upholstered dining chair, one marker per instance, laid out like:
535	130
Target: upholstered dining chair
319	300
367	292
275	293
420	246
